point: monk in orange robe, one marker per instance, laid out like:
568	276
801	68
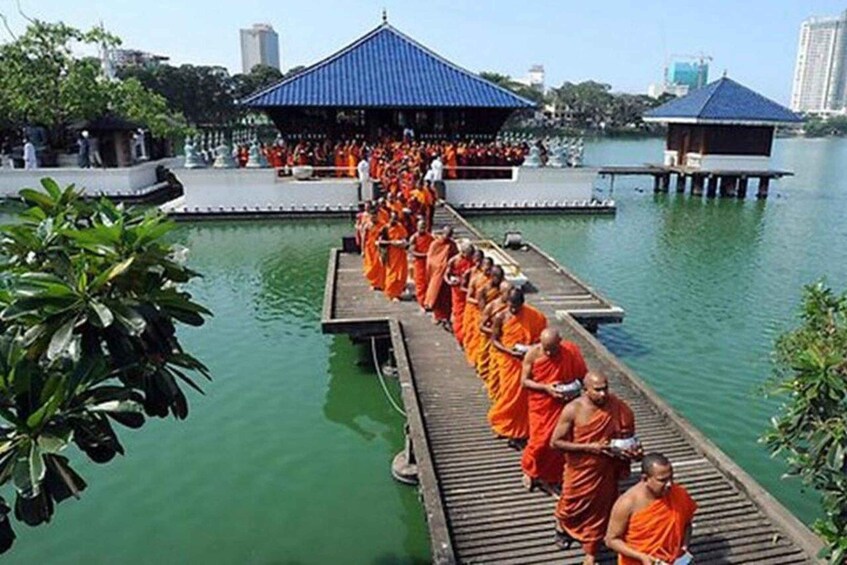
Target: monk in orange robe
450	162
652	520
515	329
352	160
437	299
419	245
393	246
479	277
457	269
371	261
492	301
593	468
549	365
339	160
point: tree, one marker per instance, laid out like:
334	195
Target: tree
89	313
41	82
810	430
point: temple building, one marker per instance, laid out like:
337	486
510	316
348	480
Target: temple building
721	133
386	83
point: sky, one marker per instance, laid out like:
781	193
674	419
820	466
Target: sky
622	43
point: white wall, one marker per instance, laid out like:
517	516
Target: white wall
110	181
228	190
537	187
728	162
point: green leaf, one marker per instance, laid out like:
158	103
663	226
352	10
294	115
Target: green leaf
52	188
103	315
117	406
52	444
61	339
36	198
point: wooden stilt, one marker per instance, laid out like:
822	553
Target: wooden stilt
764	184
665	183
697	185
656	183
712	187
680	183
741	193
728	186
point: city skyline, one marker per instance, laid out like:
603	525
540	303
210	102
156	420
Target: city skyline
629	45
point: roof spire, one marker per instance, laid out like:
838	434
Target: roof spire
384	16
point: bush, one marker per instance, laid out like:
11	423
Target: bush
810	431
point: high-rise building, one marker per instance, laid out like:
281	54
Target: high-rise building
259	46
820	76
692	75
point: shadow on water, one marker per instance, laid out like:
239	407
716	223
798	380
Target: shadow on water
622	343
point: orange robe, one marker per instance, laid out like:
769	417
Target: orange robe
397	266
437	296
590	482
340	161
659	528
352	162
509	415
470	319
484	364
422	243
458	297
372	264
539	460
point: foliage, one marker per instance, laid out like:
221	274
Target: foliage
206	96
815	126
89	312
41	82
810	431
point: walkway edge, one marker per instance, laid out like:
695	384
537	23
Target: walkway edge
797	530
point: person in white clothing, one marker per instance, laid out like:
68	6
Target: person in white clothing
30	158
437	168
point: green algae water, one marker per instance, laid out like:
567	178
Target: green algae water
286	458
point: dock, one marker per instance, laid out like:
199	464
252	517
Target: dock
469	481
724	182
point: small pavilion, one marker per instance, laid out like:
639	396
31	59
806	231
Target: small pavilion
382	84
721	133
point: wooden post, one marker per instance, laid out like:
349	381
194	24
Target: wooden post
764	183
712	187
665	182
656	183
741	193
697	185
728	186
680	183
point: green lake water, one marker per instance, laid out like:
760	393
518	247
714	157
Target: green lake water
286	459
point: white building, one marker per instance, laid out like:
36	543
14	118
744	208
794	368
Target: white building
534	78
259	46
820	76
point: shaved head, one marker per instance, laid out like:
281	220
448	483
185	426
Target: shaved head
596	388
550	340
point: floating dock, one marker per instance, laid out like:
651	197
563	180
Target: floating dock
469	481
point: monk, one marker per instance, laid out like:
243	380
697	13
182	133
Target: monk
419	246
479	277
651	522
515	330
492	301
393	245
592	468
437	299
553	362
371	261
455	277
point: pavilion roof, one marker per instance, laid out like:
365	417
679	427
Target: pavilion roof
386	68
726	102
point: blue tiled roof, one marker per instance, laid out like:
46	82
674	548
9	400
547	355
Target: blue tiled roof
386	68
723	101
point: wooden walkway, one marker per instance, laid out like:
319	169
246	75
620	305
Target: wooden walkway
476	510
